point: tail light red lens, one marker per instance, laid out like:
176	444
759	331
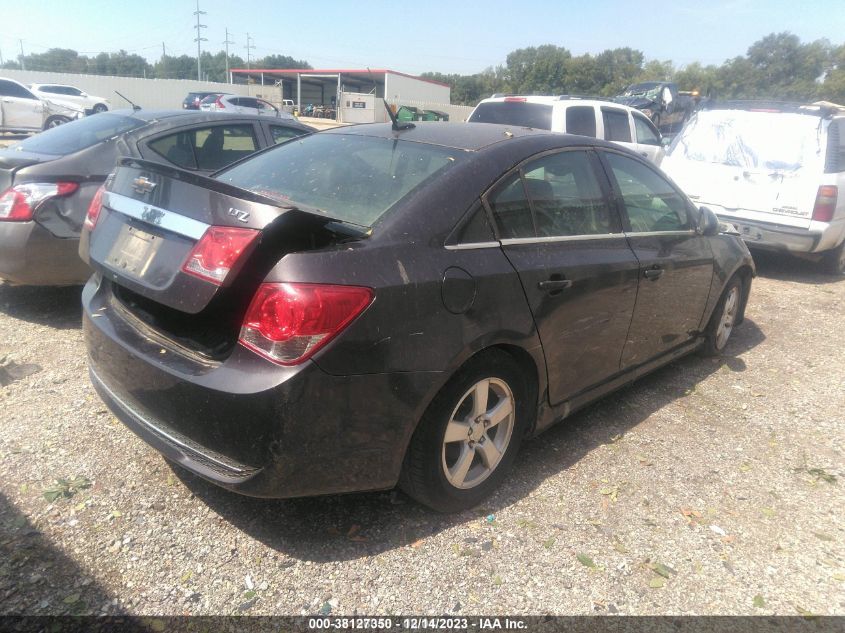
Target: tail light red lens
18	203
217	251
515	99
94	209
825	203
288	322
219	103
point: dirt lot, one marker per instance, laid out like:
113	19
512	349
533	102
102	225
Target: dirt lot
710	487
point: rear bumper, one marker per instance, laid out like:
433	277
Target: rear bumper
775	237
247	424
31	255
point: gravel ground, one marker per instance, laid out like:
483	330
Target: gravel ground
710	487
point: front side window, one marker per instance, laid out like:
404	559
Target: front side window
652	204
208	148
11	89
581	120
647	134
345	176
616	126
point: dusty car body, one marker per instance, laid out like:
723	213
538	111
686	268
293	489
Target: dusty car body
372	305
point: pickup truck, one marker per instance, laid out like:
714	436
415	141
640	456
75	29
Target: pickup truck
662	102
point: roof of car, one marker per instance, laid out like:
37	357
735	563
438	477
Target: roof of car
552	100
188	115
464	136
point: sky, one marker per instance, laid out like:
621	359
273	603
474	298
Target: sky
414	36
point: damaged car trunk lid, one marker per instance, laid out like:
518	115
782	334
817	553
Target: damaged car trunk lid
173	243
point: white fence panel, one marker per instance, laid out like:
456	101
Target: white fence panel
150	94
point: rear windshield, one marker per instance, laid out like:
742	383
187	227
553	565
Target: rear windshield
77	135
772	141
521	113
351	178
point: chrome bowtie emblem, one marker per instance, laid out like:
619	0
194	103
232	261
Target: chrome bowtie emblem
143	185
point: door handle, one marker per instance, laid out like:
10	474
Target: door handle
554	286
653	273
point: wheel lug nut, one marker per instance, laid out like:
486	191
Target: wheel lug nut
471	443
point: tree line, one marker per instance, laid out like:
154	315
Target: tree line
123	64
779	66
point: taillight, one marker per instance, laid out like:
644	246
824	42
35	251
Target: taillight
515	99
219	103
18	203
94	209
217	251
288	322
825	203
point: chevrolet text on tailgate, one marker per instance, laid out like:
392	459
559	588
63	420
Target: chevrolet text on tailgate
384	304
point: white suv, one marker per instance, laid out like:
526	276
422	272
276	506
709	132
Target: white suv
775	171
575	115
90	103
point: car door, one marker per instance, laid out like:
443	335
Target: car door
21	108
616	127
266	109
557	228
648	140
676	262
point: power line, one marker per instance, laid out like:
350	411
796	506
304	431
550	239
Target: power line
248	47
199	39
227	42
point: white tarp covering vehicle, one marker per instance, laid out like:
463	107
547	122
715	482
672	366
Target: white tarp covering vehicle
775	172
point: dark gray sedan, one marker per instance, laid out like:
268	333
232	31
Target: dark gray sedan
370	305
48	181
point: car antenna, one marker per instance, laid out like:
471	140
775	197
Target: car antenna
396	125
135	107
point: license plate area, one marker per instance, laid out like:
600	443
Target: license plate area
133	251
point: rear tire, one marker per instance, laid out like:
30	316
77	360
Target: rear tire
55	121
834	261
469	435
724	319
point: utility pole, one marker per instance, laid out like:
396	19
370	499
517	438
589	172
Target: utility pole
23	64
227	42
248	47
163	60
199	39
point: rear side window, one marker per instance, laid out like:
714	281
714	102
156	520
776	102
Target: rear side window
581	120
282	133
616	126
652	204
511	209
835	155
77	135
568	198
647	134
519	113
208	148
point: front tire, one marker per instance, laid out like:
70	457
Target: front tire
100	107
724	319
469	435
55	121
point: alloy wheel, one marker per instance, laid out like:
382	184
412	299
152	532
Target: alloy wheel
726	323
478	433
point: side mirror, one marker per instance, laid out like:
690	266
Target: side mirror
708	223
